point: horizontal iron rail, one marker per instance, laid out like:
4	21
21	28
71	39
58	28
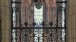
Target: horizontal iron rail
39	28
15	2
61	1
56	2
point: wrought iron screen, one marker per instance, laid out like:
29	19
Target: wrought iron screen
30	22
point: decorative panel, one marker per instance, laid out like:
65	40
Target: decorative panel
38	21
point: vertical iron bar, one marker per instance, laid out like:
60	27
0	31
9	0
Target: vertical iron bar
33	35
57	24
51	34
20	21
16	17
16	22
65	22
20	34
57	17
20	16
43	34
25	13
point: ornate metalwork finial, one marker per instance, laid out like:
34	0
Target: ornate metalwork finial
51	23
34	23
35	0
38	5
26	23
43	23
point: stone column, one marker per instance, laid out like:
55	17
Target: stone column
6	27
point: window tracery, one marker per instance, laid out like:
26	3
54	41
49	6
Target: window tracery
54	21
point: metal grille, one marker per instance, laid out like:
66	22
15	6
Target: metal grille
26	34
23	31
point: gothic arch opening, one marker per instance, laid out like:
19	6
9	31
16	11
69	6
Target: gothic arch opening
38	20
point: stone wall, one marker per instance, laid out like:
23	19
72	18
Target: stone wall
71	20
5	20
0	22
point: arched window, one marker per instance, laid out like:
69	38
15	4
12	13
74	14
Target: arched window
38	21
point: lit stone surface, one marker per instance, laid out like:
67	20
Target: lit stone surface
71	21
5	20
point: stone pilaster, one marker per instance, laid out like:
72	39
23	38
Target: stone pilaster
5	20
71	20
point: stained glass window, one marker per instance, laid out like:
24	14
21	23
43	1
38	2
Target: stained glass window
38	21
